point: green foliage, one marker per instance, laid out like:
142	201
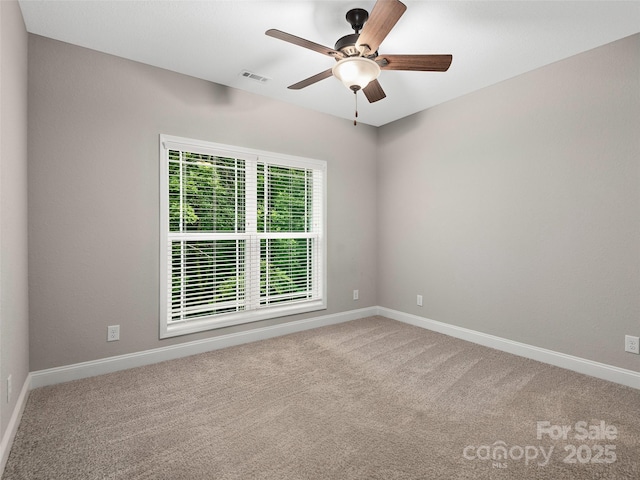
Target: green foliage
209	189
284	265
204	275
284	199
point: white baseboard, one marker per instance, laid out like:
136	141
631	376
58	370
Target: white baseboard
14	422
630	378
77	371
92	368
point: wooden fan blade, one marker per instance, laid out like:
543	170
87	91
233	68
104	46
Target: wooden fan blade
301	42
311	80
374	91
421	63
384	16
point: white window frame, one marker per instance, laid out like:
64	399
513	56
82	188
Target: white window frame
254	312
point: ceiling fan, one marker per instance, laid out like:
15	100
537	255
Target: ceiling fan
358	61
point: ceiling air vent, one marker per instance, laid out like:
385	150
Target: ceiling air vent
254	76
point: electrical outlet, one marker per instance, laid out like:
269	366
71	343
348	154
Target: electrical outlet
113	333
9	389
419	300
632	344
356	294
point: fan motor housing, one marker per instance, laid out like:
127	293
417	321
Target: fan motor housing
347	45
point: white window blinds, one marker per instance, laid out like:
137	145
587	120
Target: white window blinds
242	235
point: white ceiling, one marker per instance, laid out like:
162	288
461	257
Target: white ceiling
215	40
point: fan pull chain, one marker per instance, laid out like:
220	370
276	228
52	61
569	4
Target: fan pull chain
355	93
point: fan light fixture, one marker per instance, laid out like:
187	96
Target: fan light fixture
356	72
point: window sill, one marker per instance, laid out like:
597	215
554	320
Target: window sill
239	318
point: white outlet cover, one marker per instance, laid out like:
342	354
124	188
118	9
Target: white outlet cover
113	333
632	344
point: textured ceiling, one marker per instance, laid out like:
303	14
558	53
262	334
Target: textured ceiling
216	40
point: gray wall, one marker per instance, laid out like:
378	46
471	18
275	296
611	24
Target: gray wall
94	121
515	210
14	320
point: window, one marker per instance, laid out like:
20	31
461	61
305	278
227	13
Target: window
242	235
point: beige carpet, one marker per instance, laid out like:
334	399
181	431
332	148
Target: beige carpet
368	399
